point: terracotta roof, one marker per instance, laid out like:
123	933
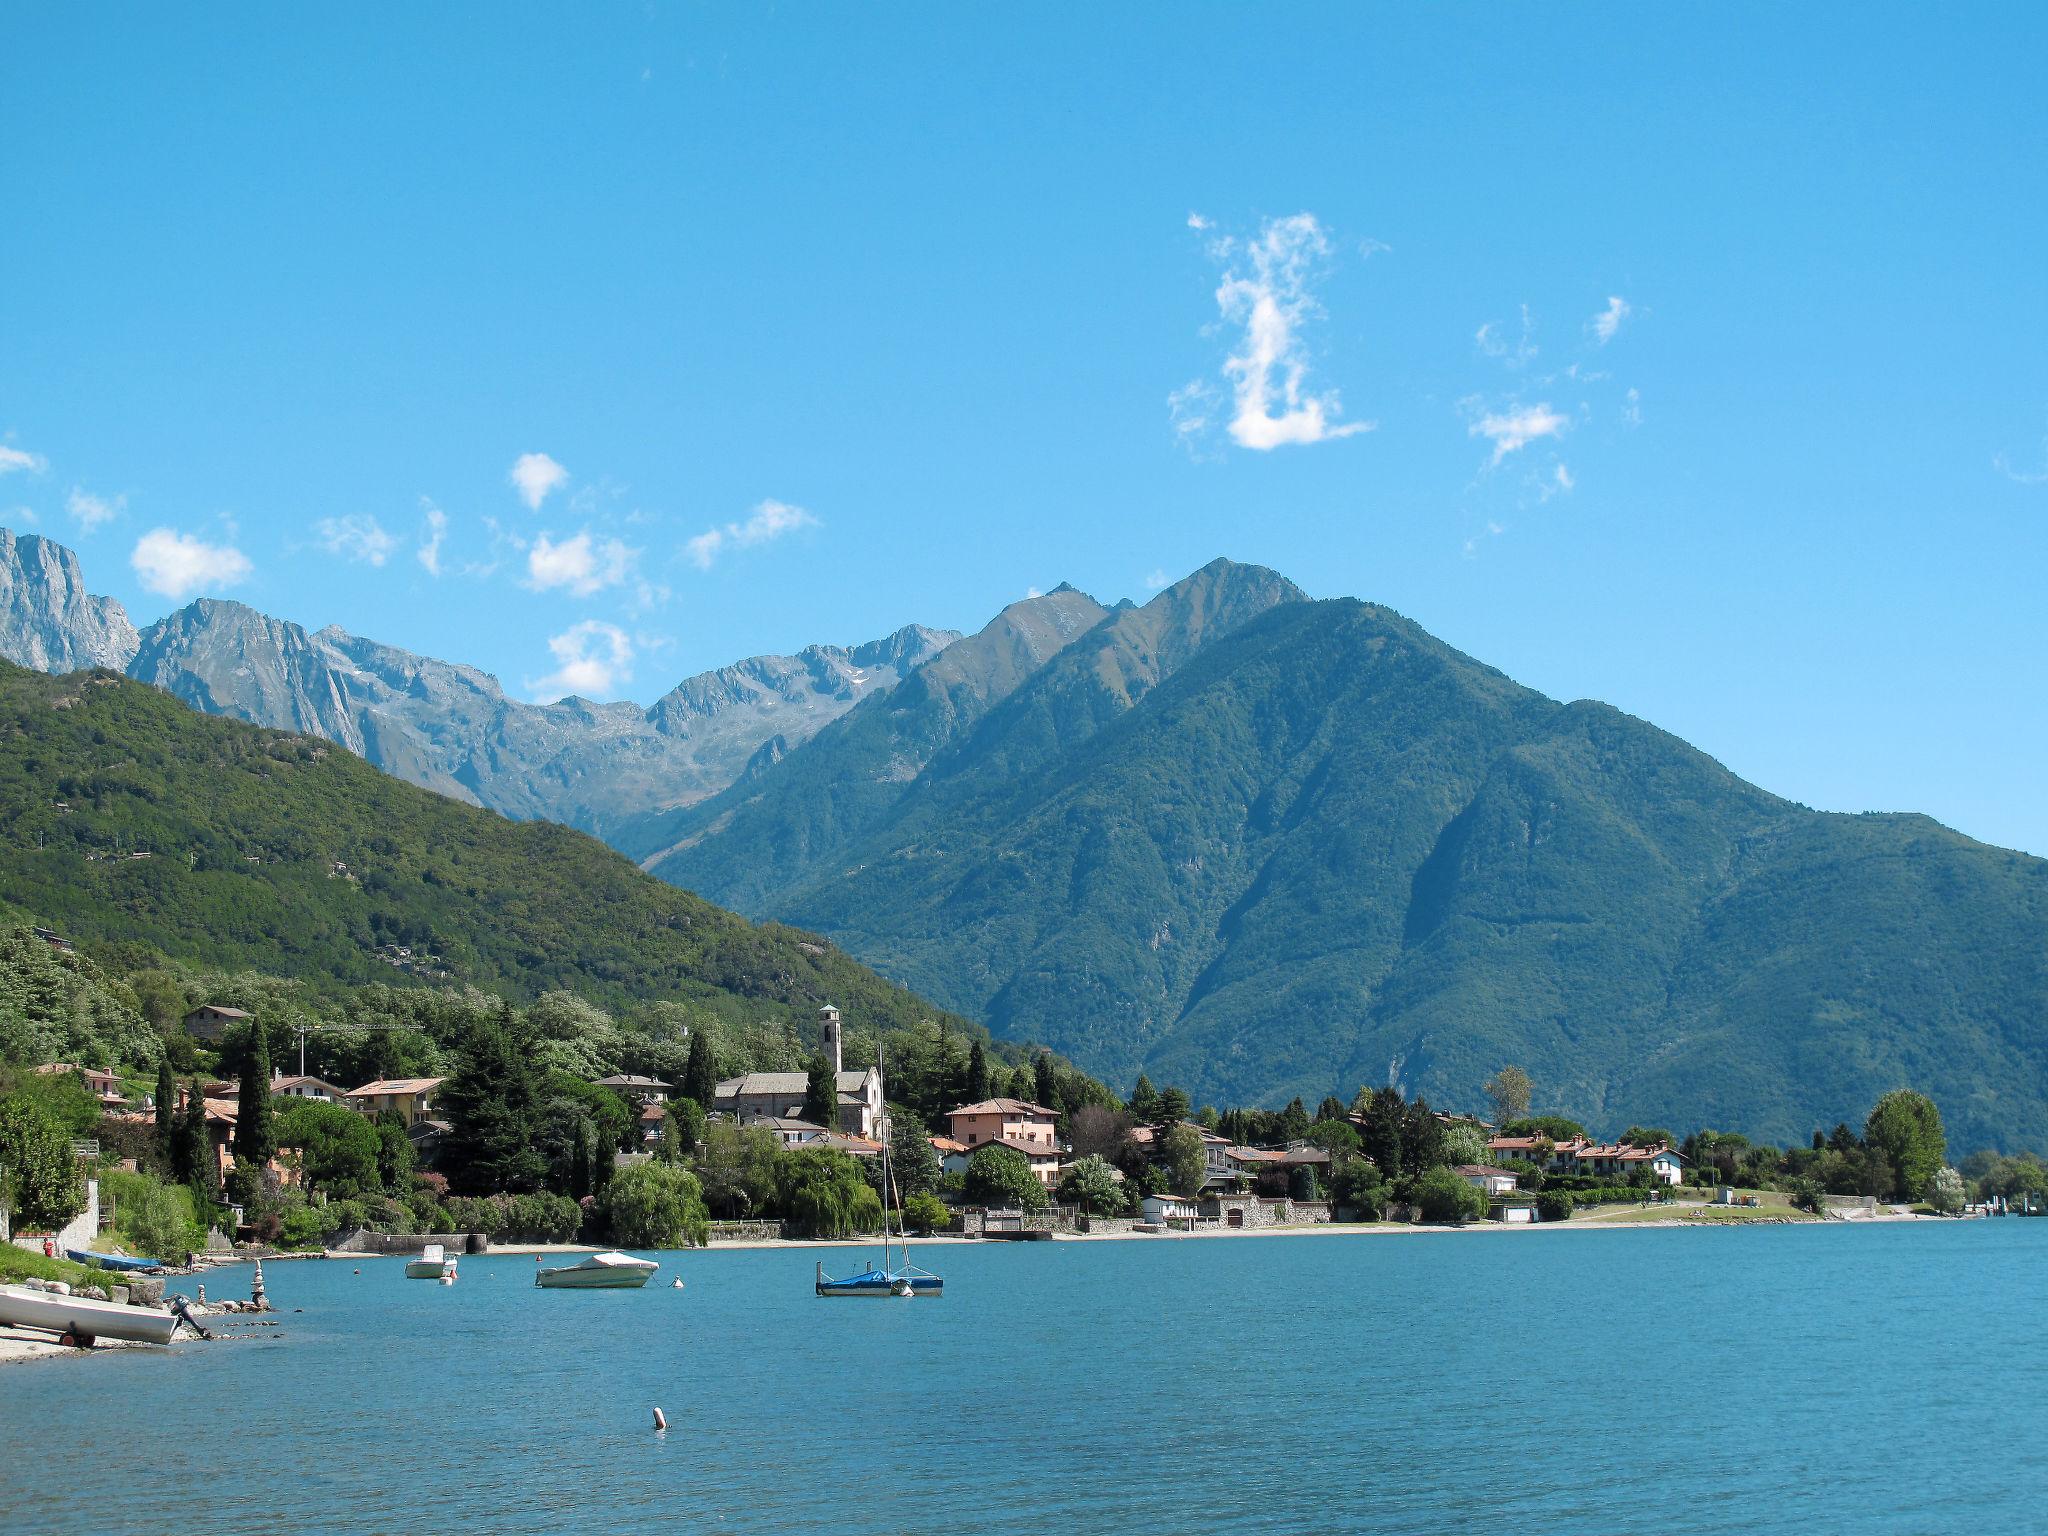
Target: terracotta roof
1005	1107
946	1145
787	1083
1028	1148
1478	1170
280	1084
219	1011
627	1080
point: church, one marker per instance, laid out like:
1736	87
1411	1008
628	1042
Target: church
780	1095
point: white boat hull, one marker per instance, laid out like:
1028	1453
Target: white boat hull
83	1318
606	1272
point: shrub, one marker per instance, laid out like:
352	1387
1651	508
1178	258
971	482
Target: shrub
652	1205
301	1228
1002	1176
926	1213
1440	1195
1554	1205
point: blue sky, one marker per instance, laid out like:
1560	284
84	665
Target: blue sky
808	323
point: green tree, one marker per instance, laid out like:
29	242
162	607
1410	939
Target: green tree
1187	1164
1294	1123
197	1164
395	1156
489	1102
38	1172
1509	1090
821	1093
1945	1190
254	1143
1339	1138
1440	1195
1462	1143
977	1074
925	1213
738	1168
156	1220
1554	1205
700	1075
1383	1117
1332	1108
1172	1107
1002	1177
911	1158
824	1195
683	1126
1906	1127
657	1205
1144	1104
1358	1186
337	1148
1045	1087
1092	1184
166	1134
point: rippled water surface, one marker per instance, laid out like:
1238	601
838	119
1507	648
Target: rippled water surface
1881	1379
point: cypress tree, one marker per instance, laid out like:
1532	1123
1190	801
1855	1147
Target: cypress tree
1047	1086
197	1163
166	1122
700	1076
977	1074
489	1102
821	1094
255	1140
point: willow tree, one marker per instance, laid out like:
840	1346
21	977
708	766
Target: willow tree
823	1194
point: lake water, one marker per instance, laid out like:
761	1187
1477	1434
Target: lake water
1875	1379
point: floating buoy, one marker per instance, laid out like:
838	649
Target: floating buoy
359	1271
447	1279
660	1423
678	1285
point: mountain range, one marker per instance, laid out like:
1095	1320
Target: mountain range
441	725
1258	846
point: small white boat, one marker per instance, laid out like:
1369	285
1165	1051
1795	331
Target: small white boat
434	1263
601	1271
84	1319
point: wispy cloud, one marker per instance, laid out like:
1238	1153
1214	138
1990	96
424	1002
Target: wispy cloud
534	475
358	536
1158	579
429	551
768	521
176	565
1632	408
1267	289
2003	464
591	659
1512	429
1608	321
1518	353
583	564
90	511
12	459
1197	221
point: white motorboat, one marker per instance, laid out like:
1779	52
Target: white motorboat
434	1263
83	1318
601	1271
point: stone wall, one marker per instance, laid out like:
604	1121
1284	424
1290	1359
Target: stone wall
410	1242
80	1232
746	1231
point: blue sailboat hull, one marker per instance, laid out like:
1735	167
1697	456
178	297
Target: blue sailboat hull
880	1282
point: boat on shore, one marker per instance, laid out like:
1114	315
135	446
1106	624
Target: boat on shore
598	1272
120	1261
434	1263
84	1319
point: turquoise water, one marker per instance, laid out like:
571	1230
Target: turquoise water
1879	1379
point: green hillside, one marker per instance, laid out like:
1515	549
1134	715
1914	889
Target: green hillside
1319	848
125	818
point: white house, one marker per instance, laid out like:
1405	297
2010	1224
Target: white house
1166	1209
1488	1181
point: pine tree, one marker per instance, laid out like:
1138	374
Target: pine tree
700	1076
489	1103
255	1140
1144	1104
977	1074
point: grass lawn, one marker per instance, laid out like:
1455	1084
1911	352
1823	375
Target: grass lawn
20	1264
1708	1215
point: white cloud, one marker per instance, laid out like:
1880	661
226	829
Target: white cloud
768	521
90	511
1632	412
1561	477
1266	288
1608	321
1516	354
12	459
1157	579
1196	221
591	658
22	517
584	564
535	475
1514	429
355	537
176	565
429	552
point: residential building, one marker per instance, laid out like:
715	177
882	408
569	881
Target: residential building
209	1023
306	1088
1218	1167
644	1090
1166	1209
1012	1120
412	1097
1488	1181
1578	1155
104	1085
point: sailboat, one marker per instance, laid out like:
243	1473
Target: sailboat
903	1279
